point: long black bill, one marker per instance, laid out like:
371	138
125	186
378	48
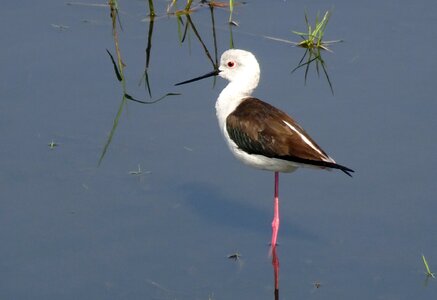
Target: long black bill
213	73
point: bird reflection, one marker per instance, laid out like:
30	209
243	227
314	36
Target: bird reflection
275	264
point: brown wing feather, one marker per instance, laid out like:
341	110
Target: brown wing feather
258	128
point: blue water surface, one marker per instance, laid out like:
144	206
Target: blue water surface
168	203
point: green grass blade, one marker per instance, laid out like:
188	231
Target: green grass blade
322	62
184	35
200	40
302	34
214	36
148	51
151	8
299	65
307	22
428	270
113	129
188	6
231	9
308	63
231	37
180	24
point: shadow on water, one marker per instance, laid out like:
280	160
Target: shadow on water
209	203
70	230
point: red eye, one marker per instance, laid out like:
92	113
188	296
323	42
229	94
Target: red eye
231	64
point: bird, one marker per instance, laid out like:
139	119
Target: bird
259	134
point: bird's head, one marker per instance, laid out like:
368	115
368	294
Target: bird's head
236	66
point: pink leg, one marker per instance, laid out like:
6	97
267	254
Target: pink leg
275	222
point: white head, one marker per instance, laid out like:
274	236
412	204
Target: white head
241	66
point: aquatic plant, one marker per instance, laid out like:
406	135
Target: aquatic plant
313	38
313	42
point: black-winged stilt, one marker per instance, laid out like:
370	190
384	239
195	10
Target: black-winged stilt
256	132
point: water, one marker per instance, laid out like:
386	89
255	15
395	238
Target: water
72	230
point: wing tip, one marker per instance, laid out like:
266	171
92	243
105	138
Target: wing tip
345	170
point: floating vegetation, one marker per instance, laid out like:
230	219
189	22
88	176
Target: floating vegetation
53	144
235	256
139	172
313	42
60	27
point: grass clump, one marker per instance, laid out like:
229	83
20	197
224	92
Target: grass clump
314	43
313	38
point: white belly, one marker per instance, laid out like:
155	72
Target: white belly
259	161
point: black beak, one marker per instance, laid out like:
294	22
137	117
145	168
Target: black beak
213	73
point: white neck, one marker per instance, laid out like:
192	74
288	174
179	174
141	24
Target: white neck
232	95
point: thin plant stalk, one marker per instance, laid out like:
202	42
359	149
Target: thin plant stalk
119	70
231	37
231	10
214	36
188	6
200	40
151	9
114	127
148	51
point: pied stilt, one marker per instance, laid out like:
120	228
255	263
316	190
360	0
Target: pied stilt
257	133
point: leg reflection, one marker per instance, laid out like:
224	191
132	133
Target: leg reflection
275	264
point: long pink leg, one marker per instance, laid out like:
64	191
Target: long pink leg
275	222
